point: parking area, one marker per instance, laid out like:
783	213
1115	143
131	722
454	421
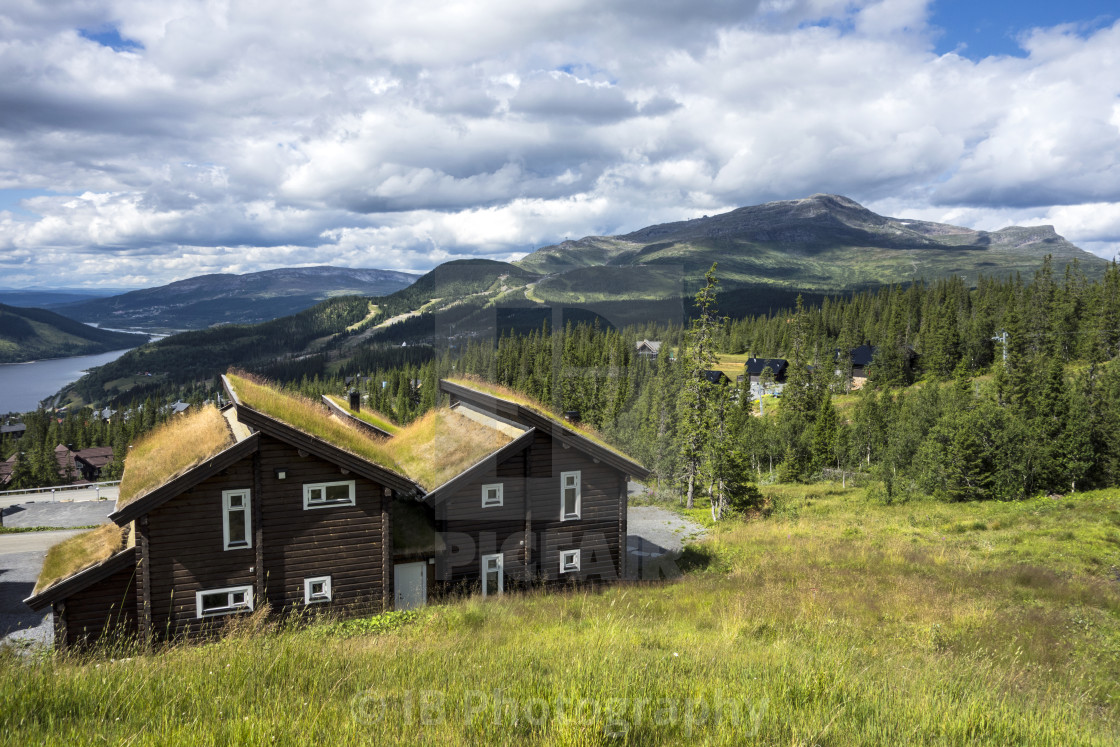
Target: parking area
21	557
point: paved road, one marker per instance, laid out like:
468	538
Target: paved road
21	557
61	496
654	539
65	514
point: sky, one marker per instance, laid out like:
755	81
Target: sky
143	142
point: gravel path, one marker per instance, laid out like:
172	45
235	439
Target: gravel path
654	540
21	557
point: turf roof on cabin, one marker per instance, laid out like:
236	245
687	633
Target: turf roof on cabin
501	392
373	417
78	553
429	451
177	446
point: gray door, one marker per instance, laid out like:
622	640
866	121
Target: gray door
410	581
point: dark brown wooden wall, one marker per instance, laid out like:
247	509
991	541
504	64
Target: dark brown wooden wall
185	553
597	531
344	543
491	530
185	542
103	609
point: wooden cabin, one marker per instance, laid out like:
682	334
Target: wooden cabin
297	506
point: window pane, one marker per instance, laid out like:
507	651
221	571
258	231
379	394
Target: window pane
317	589
315	495
214	601
338	492
237	526
569	500
236	501
237	597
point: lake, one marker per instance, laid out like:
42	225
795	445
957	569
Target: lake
23	385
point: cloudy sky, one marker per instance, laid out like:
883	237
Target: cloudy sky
146	141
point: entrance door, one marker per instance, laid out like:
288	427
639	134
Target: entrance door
410	581
493	577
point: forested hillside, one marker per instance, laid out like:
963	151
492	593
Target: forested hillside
33	334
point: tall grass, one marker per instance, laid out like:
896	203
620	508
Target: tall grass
836	622
170	450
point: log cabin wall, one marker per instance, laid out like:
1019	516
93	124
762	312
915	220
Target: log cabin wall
598	533
474	531
343	542
185	553
101	610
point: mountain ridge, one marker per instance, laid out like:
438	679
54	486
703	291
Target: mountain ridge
225	298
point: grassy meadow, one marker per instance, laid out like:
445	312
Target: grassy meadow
835	621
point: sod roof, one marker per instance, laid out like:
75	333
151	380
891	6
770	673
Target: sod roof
78	553
429	451
177	446
502	392
374	418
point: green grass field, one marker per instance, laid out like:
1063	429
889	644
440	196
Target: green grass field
836	621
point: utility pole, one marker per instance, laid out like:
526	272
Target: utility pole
1002	338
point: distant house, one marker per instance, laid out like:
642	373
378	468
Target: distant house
718	378
862	358
648	349
777	366
91	461
6	468
12	430
289	506
68	471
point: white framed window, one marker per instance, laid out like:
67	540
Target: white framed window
214	602
493	574
317	589
237	531
492	495
327	494
569	495
569	561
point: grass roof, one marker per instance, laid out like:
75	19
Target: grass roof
373	417
429	451
78	553
176	446
503	392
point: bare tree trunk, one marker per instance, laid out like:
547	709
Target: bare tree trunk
691	488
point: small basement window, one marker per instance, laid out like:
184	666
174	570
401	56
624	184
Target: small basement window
236	527
327	494
569	495
317	589
569	561
223	601
492	495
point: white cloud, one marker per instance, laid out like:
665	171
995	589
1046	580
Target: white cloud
251	134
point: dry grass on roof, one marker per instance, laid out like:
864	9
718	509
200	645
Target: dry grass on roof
441	444
176	446
312	418
503	392
429	451
78	553
373	417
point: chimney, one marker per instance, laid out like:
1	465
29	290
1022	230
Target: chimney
355	400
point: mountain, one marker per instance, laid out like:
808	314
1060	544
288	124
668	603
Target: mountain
817	245
45	298
206	300
33	334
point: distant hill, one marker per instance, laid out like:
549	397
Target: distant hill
817	245
206	300
34	334
45	298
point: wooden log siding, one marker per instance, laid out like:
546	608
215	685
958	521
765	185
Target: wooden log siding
596	533
101	610
343	542
492	530
185	555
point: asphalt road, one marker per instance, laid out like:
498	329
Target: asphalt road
654	540
47	514
21	557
